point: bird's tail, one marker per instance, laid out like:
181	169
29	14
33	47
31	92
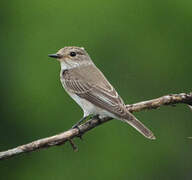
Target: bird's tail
131	120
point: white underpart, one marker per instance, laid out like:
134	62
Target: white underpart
89	108
71	64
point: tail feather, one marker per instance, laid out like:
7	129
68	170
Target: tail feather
131	120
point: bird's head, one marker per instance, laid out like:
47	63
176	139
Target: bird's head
72	56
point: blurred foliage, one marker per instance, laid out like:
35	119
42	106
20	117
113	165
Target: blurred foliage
144	49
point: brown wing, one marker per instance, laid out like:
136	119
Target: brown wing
95	88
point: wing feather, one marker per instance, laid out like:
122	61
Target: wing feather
97	91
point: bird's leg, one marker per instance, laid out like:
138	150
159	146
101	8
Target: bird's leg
77	126
79	122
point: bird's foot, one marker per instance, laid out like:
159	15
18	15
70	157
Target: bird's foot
77	126
80	132
79	122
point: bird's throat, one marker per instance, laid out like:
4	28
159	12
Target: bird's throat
70	64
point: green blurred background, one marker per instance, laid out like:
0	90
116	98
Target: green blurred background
143	47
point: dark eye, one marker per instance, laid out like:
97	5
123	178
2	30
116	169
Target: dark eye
72	54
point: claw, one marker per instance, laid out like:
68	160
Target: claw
80	133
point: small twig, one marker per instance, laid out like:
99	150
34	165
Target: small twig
171	99
92	123
75	148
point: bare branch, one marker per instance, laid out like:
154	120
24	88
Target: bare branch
92	123
171	99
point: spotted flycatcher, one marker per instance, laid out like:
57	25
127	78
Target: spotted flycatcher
87	85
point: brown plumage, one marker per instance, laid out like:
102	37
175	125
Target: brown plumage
87	85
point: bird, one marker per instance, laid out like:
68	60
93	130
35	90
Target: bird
91	90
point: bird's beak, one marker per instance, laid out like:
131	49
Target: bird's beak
57	56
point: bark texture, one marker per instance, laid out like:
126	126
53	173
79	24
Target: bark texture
68	135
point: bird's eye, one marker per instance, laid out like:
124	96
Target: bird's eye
72	54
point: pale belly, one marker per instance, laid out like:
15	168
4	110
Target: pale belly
87	107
